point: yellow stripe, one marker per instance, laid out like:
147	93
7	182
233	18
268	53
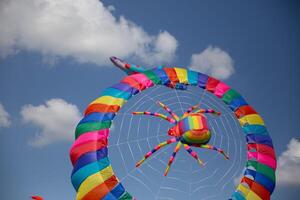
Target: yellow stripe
182	75
109	100
196	124
93	181
248	194
191	136
251	119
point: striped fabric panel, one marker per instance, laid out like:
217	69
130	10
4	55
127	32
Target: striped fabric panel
92	175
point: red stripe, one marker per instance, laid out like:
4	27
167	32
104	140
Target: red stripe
244	110
133	83
262	148
86	147
211	84
260	190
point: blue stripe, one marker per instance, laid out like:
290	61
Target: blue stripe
192	77
255	129
109	196
237	102
126	88
116	93
237	196
88	170
89	158
97	117
118	191
161	74
261	179
115	193
259	139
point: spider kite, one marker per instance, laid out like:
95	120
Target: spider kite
190	129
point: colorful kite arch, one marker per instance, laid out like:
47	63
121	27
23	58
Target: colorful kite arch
93	177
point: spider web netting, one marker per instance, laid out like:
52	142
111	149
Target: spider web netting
132	136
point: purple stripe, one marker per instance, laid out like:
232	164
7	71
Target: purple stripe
89	158
202	79
126	88
259	139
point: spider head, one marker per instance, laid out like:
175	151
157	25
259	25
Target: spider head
174	132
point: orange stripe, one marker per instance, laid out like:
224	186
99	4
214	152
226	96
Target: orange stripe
99	107
171	74
102	190
133	83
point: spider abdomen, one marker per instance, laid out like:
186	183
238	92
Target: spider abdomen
196	137
194	129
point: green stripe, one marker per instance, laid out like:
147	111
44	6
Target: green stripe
263	169
91	126
230	95
152	76
126	196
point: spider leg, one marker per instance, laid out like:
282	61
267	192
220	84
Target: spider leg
211	111
207	146
168	110
190	110
193	154
173	121
160	145
172	157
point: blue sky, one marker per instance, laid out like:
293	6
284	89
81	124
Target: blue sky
54	56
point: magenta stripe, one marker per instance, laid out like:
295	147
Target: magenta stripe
221	89
143	80
89	136
262	158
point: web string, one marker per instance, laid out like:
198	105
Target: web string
133	136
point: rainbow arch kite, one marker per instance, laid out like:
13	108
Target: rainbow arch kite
93	177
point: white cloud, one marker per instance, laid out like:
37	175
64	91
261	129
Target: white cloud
4	117
56	120
213	61
288	170
82	29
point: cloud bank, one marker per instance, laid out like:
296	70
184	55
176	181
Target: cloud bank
4	117
288	170
213	61
56	120
84	30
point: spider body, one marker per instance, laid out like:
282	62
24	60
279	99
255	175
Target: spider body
191	129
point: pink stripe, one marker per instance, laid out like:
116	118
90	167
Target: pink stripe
262	148
221	89
89	136
143	80
262	158
148	154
